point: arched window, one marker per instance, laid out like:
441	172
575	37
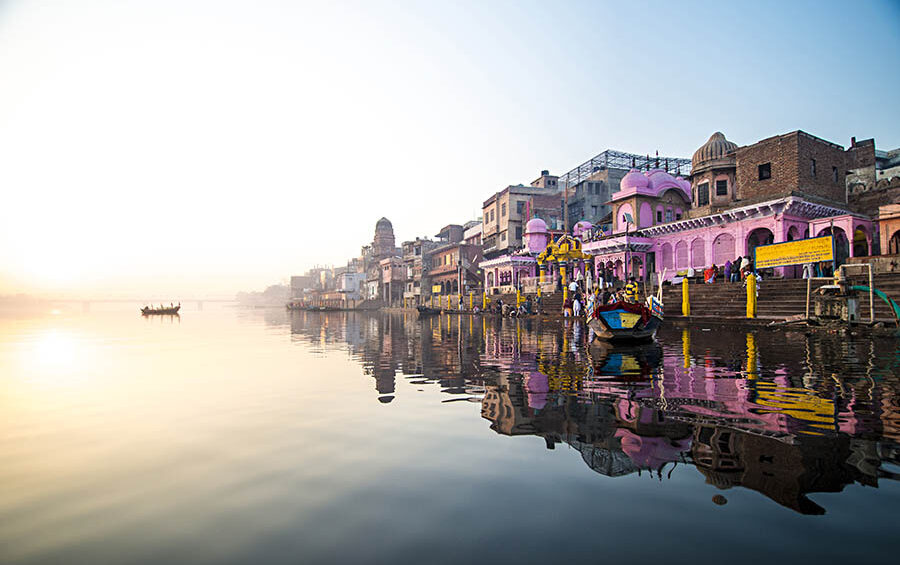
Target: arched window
666	252
698	255
681	255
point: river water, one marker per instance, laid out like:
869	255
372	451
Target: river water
261	436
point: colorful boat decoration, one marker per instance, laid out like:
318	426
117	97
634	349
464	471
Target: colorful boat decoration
626	321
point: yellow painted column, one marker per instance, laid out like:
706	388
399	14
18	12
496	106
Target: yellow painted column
471	301
751	295
432	301
685	299
562	276
448	302
518	298
686	347
484	300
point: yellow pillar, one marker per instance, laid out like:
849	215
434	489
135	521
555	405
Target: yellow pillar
484	300
432	301
518	298
471	301
541	274
686	347
448	302
685	300
562	276
751	295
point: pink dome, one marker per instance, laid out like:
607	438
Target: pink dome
659	179
581	227
536	225
634	179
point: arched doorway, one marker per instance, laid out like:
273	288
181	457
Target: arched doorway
793	271
860	243
841	244
723	248
894	243
636	265
759	236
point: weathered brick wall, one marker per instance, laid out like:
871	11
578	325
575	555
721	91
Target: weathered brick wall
791	157
782	152
829	157
868	202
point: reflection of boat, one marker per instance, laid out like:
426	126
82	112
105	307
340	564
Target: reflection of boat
148	310
627	322
624	362
426	311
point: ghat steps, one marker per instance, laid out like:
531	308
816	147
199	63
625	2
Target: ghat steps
778	298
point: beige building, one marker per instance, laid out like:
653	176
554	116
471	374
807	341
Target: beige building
505	213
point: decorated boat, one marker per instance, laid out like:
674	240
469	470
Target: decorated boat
627	321
149	310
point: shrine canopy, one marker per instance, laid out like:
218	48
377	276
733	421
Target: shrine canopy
564	249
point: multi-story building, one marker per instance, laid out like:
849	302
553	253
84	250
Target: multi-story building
393	278
417	261
505	213
454	264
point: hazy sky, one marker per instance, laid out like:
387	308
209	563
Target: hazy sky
200	148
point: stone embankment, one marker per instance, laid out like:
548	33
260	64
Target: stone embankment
778	299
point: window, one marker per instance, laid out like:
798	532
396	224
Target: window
765	171
669	215
721	188
593	211
677	217
503	236
834	174
520	207
812	167
492	216
519	232
659	216
703	194
503	209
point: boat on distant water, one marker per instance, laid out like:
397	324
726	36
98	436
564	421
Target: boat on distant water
626	321
426	311
150	310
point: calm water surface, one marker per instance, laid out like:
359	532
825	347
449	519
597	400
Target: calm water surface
252	436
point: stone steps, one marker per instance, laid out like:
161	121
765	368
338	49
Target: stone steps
777	298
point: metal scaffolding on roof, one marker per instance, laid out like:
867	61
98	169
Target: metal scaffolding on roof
612	159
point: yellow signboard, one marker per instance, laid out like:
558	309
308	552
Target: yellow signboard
795	252
436	289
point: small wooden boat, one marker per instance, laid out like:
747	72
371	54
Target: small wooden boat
149	310
626	321
426	311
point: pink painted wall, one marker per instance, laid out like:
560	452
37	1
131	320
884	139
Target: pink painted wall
646	219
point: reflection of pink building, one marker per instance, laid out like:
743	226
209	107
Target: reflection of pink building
780	189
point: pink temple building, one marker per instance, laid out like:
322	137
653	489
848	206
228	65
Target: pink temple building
784	188
780	189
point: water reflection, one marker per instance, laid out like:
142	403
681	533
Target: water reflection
781	413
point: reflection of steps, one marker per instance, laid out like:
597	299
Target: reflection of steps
777	298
